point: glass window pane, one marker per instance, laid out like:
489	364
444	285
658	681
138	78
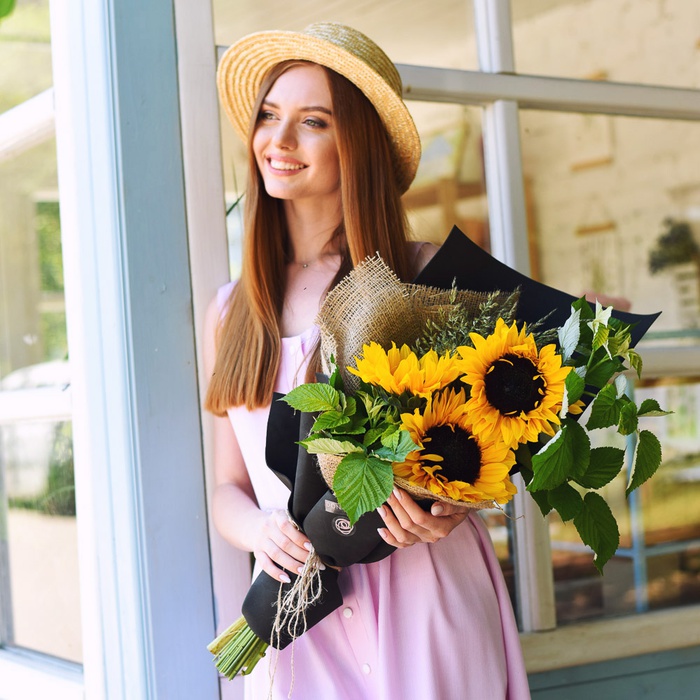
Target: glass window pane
25	53
631	42
39	592
439	33
617	208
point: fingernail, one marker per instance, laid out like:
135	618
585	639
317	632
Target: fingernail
308	546
382	511
285	579
382	532
321	566
436	510
300	569
397	493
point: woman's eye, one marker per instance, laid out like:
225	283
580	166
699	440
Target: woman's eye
266	116
315	123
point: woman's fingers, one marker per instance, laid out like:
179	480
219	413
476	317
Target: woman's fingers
281	546
407	523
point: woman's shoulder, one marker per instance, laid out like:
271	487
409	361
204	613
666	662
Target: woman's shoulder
422	253
223	293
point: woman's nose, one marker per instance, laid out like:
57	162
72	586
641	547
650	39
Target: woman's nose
285	136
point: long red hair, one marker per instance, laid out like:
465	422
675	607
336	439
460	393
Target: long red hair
373	220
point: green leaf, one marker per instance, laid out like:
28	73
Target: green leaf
628	419
574	387
604	466
310	398
600	337
372	435
336	378
584	308
542	500
597	528
605	410
635	360
6	7
362	483
329	446
564	456
601	374
566	500
396	446
647	459
650	407
329	420
569	334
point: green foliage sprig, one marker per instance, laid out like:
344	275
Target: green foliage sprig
365	429
566	473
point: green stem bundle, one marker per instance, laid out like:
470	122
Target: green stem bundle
237	649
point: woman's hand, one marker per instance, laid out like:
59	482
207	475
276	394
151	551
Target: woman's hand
280	544
407	523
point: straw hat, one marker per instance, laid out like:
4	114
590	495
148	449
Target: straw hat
346	51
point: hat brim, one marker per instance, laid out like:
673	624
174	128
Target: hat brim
245	64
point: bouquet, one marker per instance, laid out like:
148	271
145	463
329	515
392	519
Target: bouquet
444	393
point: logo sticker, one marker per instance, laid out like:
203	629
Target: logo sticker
342	526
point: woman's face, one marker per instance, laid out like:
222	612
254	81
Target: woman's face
295	140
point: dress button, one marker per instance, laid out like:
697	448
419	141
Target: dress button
366	669
347	612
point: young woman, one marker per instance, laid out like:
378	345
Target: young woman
332	147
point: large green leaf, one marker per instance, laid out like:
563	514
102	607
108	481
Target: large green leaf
650	407
565	456
574	386
328	420
542	500
310	398
569	334
604	466
6	7
566	500
599	375
362	483
628	419
328	446
396	446
606	409
647	459
597	528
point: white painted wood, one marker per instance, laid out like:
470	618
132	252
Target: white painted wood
144	557
557	94
26	125
25	676
509	243
208	246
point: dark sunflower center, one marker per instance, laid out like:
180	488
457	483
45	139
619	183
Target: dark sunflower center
513	384
461	455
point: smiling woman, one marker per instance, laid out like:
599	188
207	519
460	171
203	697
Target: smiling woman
331	148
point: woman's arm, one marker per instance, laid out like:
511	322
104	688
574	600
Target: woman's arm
270	536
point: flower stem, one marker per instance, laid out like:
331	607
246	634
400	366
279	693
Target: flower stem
237	649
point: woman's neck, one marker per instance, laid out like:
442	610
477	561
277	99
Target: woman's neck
311	229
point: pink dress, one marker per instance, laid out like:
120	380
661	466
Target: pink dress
429	622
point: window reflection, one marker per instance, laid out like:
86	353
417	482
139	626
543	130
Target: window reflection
617	204
630	42
39	592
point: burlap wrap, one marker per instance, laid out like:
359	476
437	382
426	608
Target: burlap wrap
372	304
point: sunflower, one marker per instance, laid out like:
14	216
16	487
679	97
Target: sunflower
451	461
398	370
516	390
